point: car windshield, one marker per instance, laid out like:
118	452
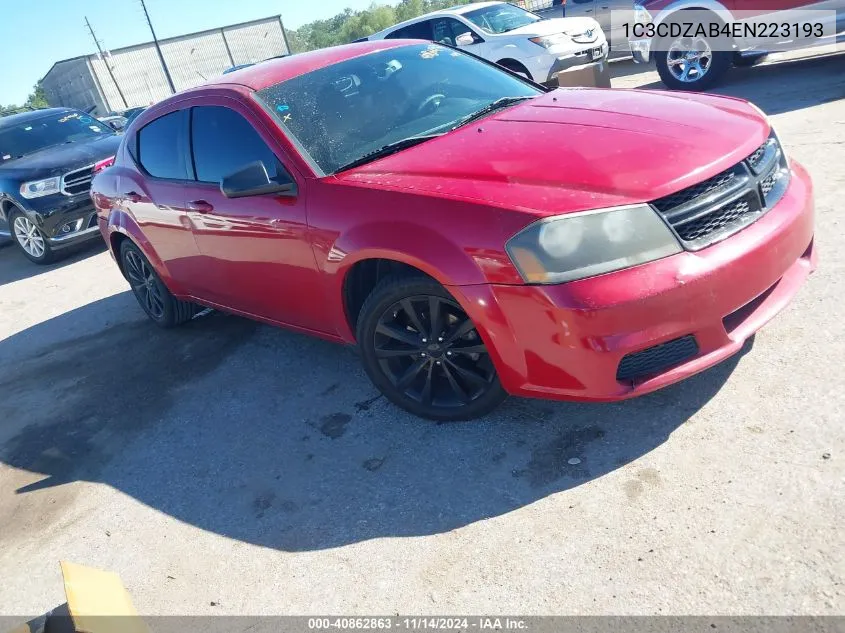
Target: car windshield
501	18
346	112
34	135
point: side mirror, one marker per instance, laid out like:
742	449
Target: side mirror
464	39
252	180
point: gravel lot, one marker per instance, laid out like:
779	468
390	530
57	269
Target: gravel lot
228	467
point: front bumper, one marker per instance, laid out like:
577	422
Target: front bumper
586	67
567	341
641	50
65	221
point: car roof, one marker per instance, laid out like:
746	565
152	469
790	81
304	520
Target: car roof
456	10
23	117
273	71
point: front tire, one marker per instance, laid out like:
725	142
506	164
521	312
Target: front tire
422	351
30	239
155	299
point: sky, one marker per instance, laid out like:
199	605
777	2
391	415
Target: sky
40	32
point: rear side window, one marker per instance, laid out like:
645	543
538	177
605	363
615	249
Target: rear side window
223	142
160	147
418	31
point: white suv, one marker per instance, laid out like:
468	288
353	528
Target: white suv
516	39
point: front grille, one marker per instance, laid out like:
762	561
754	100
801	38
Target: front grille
78	181
720	206
657	359
683	196
700	227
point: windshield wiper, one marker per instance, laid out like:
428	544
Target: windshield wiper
498	104
387	150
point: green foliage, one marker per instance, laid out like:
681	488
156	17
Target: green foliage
351	25
35	101
38	98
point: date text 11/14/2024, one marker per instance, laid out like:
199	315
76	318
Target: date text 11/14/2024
418	623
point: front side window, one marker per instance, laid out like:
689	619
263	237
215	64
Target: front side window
224	142
344	112
500	18
446	30
160	147
34	135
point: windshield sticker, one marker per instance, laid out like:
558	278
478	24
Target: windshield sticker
95	128
6	156
86	119
27	128
72	115
282	107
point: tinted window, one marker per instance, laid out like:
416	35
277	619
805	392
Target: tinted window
160	147
418	31
223	142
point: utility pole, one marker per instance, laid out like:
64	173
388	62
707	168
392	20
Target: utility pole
108	68
158	49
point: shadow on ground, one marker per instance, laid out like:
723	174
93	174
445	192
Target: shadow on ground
278	439
781	86
14	266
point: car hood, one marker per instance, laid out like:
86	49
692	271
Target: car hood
60	159
555	25
577	149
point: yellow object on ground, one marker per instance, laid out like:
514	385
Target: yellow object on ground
98	602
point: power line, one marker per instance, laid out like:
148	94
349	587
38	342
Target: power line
158	49
108	68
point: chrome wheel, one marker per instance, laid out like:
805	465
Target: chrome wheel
430	351
29	237
144	284
689	59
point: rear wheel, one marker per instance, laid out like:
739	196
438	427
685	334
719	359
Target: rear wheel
153	296
422	351
30	239
691	63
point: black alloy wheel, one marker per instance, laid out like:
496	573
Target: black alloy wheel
153	296
144	284
423	352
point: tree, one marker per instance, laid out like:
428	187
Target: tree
350	25
38	98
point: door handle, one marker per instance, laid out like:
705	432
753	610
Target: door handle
200	206
132	196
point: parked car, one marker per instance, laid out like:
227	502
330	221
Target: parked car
47	160
696	63
132	113
516	39
115	121
473	233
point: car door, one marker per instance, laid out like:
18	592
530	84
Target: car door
256	252
154	193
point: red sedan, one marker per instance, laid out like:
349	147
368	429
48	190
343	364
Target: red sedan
474	234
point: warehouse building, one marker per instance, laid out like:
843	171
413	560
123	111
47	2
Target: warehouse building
137	77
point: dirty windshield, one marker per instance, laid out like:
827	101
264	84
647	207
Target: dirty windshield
350	110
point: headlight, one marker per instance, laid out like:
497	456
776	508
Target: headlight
38	188
641	15
569	247
547	41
